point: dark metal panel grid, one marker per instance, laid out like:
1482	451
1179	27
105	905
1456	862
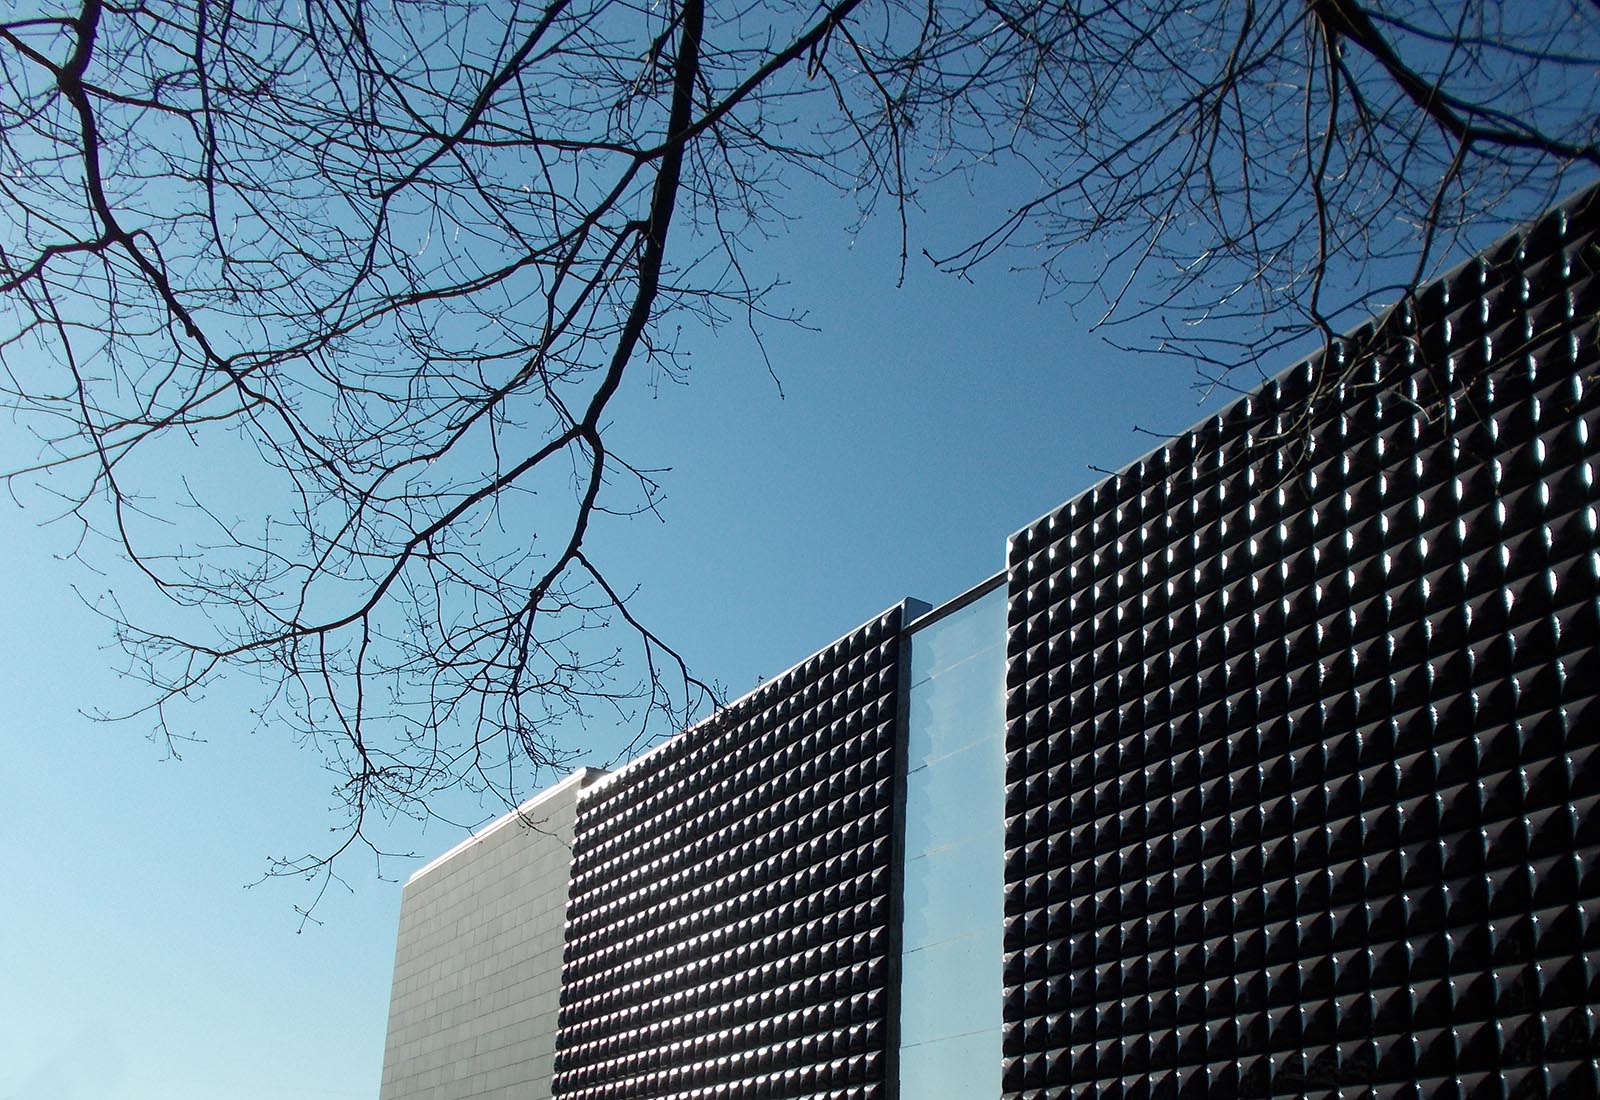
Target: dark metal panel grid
1303	793
729	919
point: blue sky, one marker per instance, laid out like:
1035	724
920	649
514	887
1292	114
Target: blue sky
920	427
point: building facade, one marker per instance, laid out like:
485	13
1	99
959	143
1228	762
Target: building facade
477	972
1267	767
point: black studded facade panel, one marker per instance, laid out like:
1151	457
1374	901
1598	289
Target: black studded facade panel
728	927
1303	747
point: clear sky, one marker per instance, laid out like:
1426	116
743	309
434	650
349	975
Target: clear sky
921	427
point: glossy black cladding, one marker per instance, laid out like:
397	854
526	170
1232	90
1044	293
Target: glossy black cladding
728	927
1303	786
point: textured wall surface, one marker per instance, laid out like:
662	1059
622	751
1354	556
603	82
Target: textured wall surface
1301	726
477	970
729	924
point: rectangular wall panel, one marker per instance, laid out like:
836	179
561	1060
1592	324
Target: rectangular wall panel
729	923
1303	789
477	969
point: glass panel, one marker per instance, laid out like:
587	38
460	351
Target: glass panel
954	843
945	788
967	1066
946	972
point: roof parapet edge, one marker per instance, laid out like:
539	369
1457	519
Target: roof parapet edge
581	778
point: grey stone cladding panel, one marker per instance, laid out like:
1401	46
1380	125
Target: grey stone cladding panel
477	973
729	928
1303	746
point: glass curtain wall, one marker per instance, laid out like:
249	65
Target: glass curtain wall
954	844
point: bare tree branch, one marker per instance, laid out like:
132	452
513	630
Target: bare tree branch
313	312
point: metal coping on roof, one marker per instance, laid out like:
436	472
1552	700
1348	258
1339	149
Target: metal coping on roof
955	603
580	778
906	606
1374	322
925	615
